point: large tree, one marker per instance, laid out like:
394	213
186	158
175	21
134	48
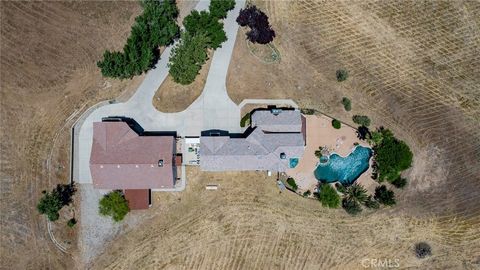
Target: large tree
52	202
187	58
391	155
219	8
204	23
260	29
328	196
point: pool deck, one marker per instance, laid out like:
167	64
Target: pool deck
321	133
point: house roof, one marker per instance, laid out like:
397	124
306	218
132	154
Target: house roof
137	198
282	121
260	150
121	159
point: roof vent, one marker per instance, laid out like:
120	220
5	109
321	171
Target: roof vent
283	155
276	111
160	163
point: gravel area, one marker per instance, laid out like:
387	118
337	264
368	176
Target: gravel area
97	231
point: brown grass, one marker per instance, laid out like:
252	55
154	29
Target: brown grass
175	97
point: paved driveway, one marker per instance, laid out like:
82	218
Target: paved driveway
212	110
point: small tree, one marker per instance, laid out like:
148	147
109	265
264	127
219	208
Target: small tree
422	250
292	183
187	58
115	205
219	8
342	75
71	222
260	29
356	193
307	193
362	120
49	205
328	196
399	182
384	195
336	124
347	104
371	203
351	206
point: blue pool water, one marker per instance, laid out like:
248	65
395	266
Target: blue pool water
344	169
293	162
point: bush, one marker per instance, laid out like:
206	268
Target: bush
347	104
155	27
391	156
340	188
308	111
351	206
52	202
336	124
399	182
328	196
318	153
292	183
307	193
362	120
384	195
187	58
71	222
372	203
204	23
219	8
115	205
422	250
260	29
342	75
245	120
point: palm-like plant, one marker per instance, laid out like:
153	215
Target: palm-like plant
356	193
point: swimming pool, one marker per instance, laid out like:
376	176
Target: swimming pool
344	169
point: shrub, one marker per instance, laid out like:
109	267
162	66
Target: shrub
260	29
347	104
52	202
71	222
362	120
328	196
422	250
318	153
155	27
371	203
245	120
351	206
308	111
336	124
115	205
391	156
204	23
399	182
187	58
307	193
340	188
219	8
292	183
342	75
384	195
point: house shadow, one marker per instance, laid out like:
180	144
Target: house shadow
136	127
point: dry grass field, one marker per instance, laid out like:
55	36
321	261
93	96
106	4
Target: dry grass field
413	68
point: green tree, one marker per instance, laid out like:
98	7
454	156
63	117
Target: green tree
49	205
187	58
371	203
328	196
336	124
115	205
384	195
342	75
292	183
351	206
356	193
362	120
219	8
391	156
347	104
204	23
399	182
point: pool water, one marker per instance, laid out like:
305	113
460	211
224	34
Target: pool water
344	169
293	162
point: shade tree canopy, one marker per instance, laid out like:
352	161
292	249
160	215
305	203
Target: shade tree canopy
260	29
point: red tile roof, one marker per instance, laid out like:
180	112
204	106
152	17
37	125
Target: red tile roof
137	198
121	159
